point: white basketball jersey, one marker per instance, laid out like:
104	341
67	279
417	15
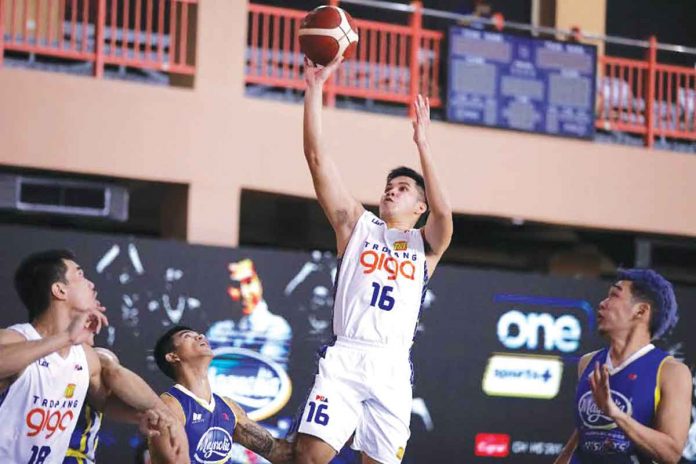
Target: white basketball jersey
39	410
380	284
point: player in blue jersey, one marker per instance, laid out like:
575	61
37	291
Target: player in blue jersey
633	400
212	423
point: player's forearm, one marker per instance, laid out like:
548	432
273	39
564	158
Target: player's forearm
438	201
115	409
312	124
568	450
15	357
282	452
659	446
131	389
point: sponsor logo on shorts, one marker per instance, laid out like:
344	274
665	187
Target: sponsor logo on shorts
495	445
523	376
594	418
255	382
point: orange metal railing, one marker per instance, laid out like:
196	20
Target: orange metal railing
146	34
646	97
393	63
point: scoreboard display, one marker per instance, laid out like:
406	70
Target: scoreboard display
521	83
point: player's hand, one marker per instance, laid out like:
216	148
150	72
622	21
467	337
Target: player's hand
316	75
421	122
155	422
86	323
601	391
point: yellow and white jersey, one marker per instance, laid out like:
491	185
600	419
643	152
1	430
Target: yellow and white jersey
380	284
39	410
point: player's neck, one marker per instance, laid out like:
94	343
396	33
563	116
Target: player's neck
53	321
195	379
398	223
622	347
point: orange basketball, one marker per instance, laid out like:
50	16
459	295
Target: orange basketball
326	32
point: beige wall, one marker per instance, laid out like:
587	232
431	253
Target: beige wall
218	141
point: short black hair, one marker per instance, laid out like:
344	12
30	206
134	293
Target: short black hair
408	172
164	346
647	286
36	274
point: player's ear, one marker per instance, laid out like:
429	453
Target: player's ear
172	357
422	207
58	291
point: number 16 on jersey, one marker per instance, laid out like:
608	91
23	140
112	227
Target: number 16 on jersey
381	297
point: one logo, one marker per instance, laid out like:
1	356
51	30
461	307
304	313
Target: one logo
259	385
632	376
78	367
496	445
225	416
400	453
594	418
70	390
523	376
43	363
214	446
197	417
541	330
401	245
322	398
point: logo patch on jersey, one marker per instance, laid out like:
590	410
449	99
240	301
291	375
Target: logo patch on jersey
78	367
258	384
593	417
197	417
70	390
322	398
400	453
632	376
401	245
214	446
43	363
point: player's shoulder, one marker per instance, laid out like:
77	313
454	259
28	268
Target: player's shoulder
174	405
236	409
585	361
672	368
107	357
8	335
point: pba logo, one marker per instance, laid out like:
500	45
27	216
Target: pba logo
495	445
259	385
594	418
542	330
214	446
70	390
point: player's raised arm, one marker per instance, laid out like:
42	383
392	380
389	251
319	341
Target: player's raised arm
439	226
341	209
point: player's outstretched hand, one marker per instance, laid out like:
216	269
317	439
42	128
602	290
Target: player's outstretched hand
155	422
601	391
316	75
421	122
86	323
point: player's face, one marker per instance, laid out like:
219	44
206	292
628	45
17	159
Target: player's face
80	291
190	345
617	312
401	197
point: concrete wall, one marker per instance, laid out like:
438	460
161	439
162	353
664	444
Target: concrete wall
218	141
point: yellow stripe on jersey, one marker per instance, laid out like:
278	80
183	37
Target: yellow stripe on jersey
85	434
658	391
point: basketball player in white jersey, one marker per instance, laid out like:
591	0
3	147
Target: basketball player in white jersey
363	385
46	367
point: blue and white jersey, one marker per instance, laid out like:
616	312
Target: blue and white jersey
85	437
381	283
39	410
635	388
209	426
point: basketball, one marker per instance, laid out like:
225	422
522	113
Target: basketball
327	32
